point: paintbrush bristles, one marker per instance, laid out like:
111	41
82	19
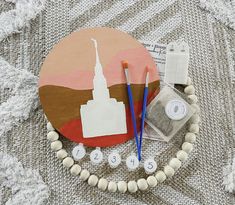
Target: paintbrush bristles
125	67
147	76
125	64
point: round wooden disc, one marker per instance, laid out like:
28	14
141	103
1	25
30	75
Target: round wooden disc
66	80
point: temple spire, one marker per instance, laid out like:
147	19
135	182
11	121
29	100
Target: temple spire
98	66
100	90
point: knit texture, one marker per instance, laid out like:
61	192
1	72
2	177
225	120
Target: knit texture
26	185
200	179
222	10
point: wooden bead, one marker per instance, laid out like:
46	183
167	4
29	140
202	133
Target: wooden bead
61	154
189	90
122	186
194	128
68	162
45	117
182	155
132	186
84	175
152	181
93	180
75	169
195	119
56	145
52	136
175	163
169	171
187	147
142	184
192	99
196	107
189	81
102	184
50	127
190	137
112	186
160	176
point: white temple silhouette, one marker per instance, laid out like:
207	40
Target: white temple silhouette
102	115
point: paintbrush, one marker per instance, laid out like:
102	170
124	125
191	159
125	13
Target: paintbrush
131	104
145	98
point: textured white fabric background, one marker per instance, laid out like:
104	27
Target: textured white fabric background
212	67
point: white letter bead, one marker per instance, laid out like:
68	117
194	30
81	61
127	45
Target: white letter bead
142	184
68	162
150	166
122	186
175	163
78	152
102	184
52	136
112	187
96	156
132	186
189	90
195	119
50	127
93	180
194	128
169	171
132	162
187	147
182	155
160	176
61	154
114	159
152	181
75	169
56	145
84	175
192	98
190	137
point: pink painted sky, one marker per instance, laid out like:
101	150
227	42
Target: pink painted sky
71	62
113	72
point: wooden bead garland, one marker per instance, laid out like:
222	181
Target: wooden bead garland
160	176
103	184
56	145
93	180
112	186
84	175
75	169
132	186
141	184
189	90
52	136
152	181
68	162
187	147
169	171
182	155
50	127
61	154
195	119
175	163
190	137
122	186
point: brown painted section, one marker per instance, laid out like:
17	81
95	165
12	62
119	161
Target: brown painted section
62	104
